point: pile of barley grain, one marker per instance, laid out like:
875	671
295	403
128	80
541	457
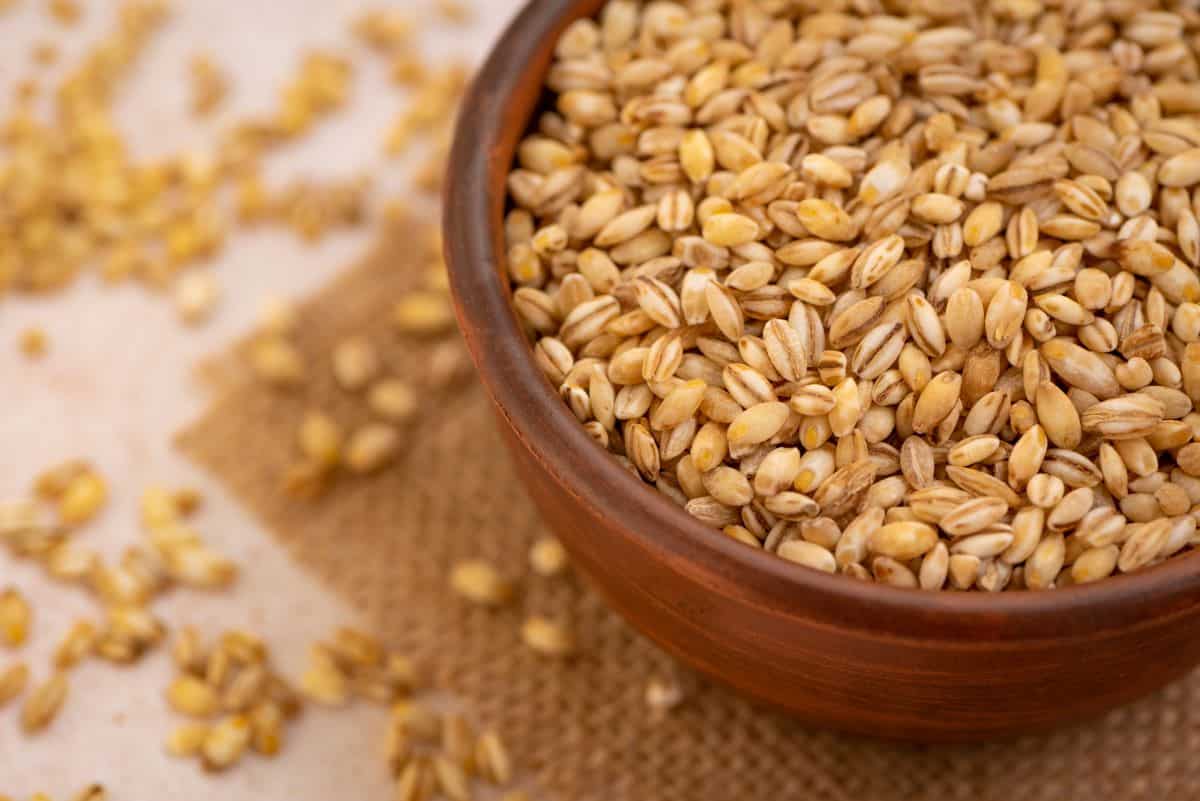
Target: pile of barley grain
903	291
125	628
75	199
147	222
237	703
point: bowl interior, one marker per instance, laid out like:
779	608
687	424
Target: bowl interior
497	111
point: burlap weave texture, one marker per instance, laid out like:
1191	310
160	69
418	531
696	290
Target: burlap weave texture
580	729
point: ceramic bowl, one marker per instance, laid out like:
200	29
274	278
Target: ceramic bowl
833	651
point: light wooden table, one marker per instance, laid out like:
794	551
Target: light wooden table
118	383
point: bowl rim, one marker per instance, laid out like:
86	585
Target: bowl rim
499	105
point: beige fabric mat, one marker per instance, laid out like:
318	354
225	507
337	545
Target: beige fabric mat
581	729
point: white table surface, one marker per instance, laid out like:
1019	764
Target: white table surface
118	383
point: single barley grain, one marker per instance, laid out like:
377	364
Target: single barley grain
371	447
355	363
76	645
33	343
82	498
43	704
188	739
196	296
423	314
277	361
663	695
547	637
320	438
15	617
480	582
191	696
226	742
492	759
12	681
393	400
547	557
323	681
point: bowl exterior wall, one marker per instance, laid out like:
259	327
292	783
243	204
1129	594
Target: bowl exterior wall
803	661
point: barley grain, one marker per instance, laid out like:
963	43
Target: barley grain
808	554
12	682
226	742
15	618
196	295
547	637
44	703
355	363
277	362
493	759
973	516
479	581
371	447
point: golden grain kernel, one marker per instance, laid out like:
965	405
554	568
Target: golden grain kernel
371	447
83	498
190	695
323	681
547	557
77	644
355	363
393	400
547	636
12	681
196	296
423	314
34	343
43	704
320	438
197	566
478	581
15	618
226	742
277	361
209	85
187	740
277	317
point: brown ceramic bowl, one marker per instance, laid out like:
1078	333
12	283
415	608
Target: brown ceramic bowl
834	651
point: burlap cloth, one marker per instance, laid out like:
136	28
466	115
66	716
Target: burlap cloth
580	729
